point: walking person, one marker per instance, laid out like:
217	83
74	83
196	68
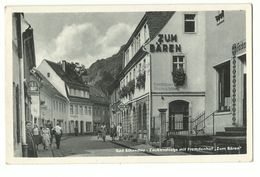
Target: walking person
119	131
103	132
113	132
58	135
46	134
36	136
49	125
32	151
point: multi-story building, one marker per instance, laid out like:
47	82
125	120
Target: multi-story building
177	73
48	105
87	107
159	73
100	108
23	62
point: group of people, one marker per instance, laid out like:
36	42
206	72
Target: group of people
116	131
44	135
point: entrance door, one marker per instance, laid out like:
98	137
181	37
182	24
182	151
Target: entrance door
179	116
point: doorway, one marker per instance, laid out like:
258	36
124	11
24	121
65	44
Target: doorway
179	116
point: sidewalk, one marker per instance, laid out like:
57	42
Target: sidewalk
52	151
44	153
148	149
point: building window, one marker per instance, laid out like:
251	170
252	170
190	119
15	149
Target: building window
140	68
132	49
145	32
144	117
134	74
48	74
89	110
71	109
189	23
33	86
138	42
86	110
126	57
76	109
178	63
81	110
88	126
144	65
224	87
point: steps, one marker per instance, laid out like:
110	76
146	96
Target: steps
233	131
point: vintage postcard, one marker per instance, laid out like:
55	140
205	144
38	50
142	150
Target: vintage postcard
129	84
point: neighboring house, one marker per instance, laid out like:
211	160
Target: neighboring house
48	105
81	105
226	77
23	62
100	108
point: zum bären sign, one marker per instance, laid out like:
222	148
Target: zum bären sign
166	43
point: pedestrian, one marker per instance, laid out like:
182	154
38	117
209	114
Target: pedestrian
119	131
113	132
32	151
36	136
99	133
46	137
58	135
103	132
49	125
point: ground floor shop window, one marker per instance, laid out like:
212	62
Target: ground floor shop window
224	86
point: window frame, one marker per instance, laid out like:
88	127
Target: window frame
178	62
195	22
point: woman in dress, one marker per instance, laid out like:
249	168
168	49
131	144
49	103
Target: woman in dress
36	136
46	137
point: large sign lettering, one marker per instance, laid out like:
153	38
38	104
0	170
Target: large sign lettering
166	43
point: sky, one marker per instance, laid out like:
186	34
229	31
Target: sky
80	37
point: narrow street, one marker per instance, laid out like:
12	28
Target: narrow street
82	146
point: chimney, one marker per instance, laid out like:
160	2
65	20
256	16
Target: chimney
63	65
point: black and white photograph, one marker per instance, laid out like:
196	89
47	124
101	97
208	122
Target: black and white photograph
154	82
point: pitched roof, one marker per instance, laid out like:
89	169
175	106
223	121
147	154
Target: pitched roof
46	83
69	77
155	20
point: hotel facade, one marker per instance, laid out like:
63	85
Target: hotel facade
169	83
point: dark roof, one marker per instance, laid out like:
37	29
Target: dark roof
47	84
155	20
69	77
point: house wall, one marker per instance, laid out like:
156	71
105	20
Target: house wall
219	41
163	88
193	48
54	79
16	85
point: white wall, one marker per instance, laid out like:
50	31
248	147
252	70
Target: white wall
54	79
